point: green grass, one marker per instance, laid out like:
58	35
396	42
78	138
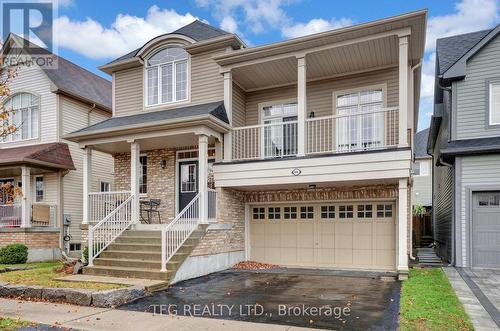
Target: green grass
32	264
428	302
9	324
44	275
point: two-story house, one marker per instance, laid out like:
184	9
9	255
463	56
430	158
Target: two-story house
295	153
46	103
465	143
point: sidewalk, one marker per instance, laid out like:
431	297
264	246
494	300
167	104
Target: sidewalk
90	318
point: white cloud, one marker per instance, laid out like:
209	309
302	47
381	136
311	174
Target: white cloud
229	24
314	26
469	16
91	39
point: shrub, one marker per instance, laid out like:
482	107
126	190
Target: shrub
85	252
14	254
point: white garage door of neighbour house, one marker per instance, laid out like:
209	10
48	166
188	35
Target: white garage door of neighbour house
486	230
357	235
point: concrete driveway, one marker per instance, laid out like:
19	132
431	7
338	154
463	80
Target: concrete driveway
306	298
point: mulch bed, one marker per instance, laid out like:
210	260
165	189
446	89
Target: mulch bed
252	265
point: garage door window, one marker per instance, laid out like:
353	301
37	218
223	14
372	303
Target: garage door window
290	213
365	211
327	212
346	211
274	213
488	200
259	213
384	211
307	212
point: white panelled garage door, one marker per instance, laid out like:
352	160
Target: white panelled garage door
338	235
486	230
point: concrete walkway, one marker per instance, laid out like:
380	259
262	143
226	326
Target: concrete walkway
89	318
480	318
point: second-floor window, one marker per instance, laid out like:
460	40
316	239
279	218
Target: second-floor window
167	76
23	116
421	168
360	126
280	130
495	103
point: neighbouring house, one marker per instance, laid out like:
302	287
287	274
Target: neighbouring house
422	190
464	140
295	153
46	104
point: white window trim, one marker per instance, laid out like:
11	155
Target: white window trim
39	124
143	195
424	165
491	102
34	188
104	182
145	81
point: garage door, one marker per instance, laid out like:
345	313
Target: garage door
339	235
486	230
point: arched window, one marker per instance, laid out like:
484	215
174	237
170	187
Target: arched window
24	116
167	76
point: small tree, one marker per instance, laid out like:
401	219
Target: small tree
419	211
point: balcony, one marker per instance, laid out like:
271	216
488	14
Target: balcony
345	133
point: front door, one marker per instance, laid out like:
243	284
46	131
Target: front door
188	182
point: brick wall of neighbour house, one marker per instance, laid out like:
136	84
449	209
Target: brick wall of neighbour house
230	214
30	239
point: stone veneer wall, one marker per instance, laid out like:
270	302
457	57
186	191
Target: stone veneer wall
230	236
161	182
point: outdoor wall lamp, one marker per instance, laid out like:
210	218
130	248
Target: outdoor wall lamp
163	164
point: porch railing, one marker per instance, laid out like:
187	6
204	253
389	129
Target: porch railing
212	205
109	228
340	133
10	215
101	204
174	234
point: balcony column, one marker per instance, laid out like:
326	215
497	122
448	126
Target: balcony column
301	105
87	182
228	104
402	226
26	199
403	91
203	177
135	172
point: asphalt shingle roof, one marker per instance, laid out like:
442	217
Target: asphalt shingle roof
449	50
215	109
75	80
56	155
421	143
196	30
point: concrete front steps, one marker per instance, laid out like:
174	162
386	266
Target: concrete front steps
137	254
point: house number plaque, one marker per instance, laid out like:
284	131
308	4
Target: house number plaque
296	172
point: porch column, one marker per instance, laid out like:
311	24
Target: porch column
26	200
87	182
301	105
202	177
403	91
228	104
403	225
135	172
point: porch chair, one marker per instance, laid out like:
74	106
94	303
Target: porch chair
149	208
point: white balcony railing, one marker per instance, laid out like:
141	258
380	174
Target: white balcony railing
101	204
329	134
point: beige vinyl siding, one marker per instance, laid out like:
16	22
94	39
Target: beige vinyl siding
75	116
320	93
238	106
207	83
471	98
423	186
129	87
483	170
33	80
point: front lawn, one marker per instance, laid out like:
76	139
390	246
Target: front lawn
44	276
428	302
31	265
9	324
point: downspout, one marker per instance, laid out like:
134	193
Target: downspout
89	112
411	211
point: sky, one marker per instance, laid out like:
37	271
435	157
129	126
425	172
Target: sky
91	33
